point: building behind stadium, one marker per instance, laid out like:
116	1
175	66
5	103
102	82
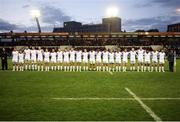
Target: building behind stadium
174	27
112	24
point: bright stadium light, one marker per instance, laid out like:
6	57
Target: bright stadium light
178	10
35	13
112	11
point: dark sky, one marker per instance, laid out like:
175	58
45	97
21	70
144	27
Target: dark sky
135	14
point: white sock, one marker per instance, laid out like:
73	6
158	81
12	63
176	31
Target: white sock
29	67
152	69
138	68
119	68
26	67
77	68
35	66
32	66
17	68
106	68
159	69
149	68
80	68
142	68
156	69
134	68
42	68
84	68
163	69
14	68
103	68
131	68
38	68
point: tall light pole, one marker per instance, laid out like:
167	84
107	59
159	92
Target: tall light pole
35	14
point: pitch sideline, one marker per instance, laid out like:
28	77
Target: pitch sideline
143	105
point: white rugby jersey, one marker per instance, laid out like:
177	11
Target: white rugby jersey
78	54
85	55
21	57
140	53
60	55
46	55
27	53
66	55
147	56
125	55
33	54
92	55
155	55
53	55
72	55
105	55
133	55
111	56
40	54
15	55
98	55
118	55
161	56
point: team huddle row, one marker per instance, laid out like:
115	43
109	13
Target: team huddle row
78	60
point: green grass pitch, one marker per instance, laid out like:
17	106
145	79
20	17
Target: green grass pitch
29	95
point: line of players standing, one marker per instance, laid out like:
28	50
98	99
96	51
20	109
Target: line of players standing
78	60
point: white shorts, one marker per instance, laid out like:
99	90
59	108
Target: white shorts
59	60
98	60
105	61
161	61
125	61
147	61
133	61
27	58
72	60
66	60
111	61
46	60
79	60
118	61
154	60
40	59
92	61
15	60
33	59
53	60
21	61
140	60
85	60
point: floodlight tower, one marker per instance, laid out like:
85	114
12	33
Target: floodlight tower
35	14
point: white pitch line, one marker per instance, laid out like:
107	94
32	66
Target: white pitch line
148	109
110	72
111	98
93	98
161	98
